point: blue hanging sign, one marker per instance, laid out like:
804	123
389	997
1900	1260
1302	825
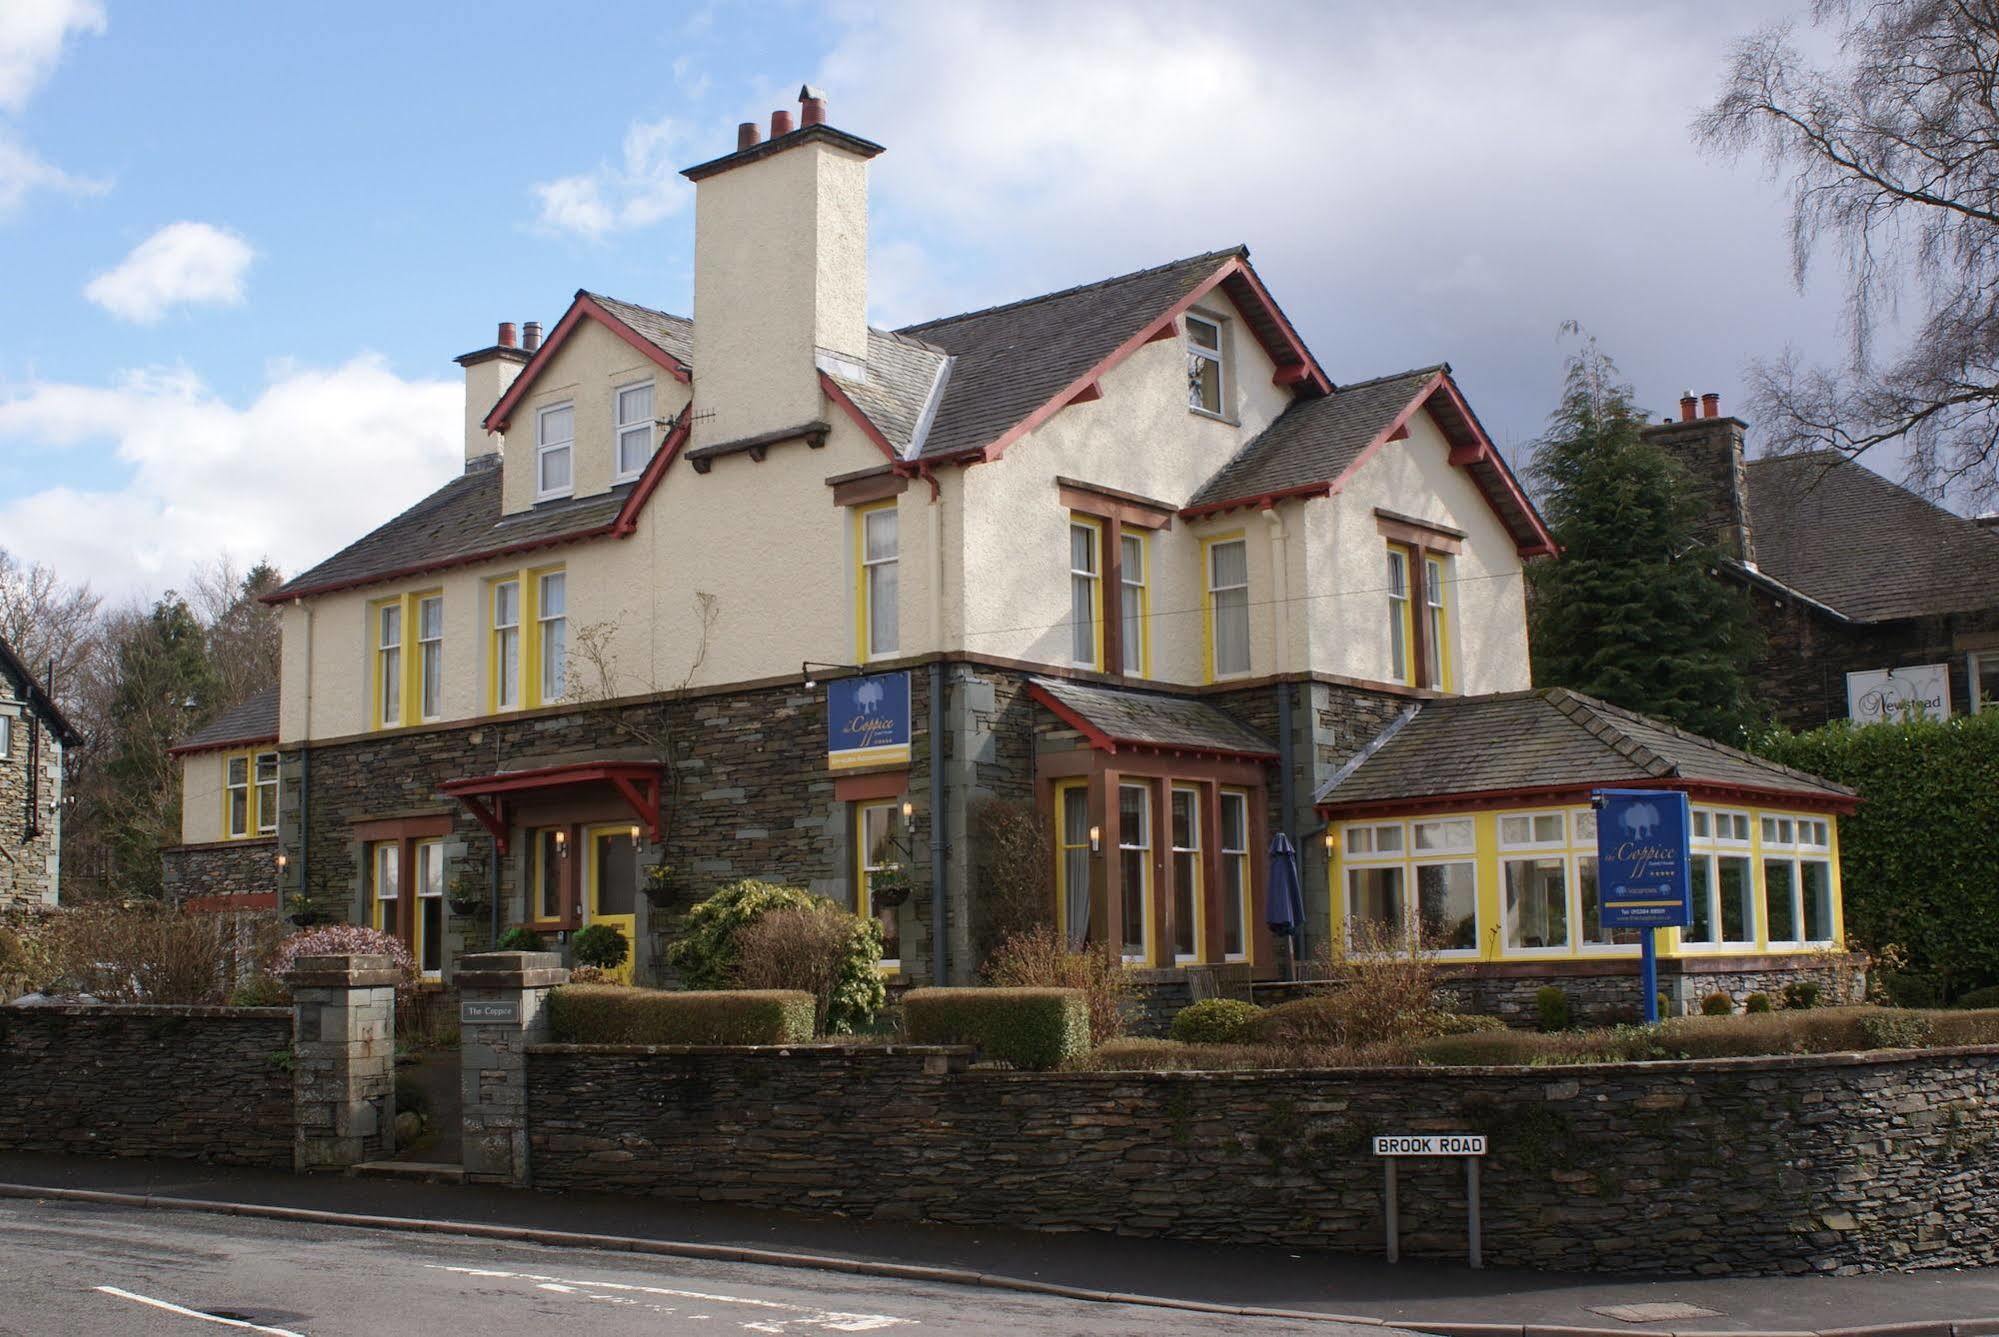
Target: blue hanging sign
867	720
1644	875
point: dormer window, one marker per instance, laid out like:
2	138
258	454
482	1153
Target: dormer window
635	429
554	439
1207	369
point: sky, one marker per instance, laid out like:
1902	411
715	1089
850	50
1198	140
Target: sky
241	243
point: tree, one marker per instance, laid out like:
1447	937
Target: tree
241	630
47	622
1633	611
1892	156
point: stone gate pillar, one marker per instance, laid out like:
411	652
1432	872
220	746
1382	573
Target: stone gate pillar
343	1060
502	1009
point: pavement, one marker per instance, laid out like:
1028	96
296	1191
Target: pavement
1419	1296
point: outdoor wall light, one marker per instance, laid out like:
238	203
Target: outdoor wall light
1330	842
908	810
282	861
562	844
1096	838
806	667
635	835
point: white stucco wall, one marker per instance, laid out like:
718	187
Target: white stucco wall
1349	626
201	797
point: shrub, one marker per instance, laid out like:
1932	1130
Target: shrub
597	1014
818	949
1975	999
705	951
343	940
600	945
1216	1021
1380	990
1145	1055
15	967
520	938
593	975
1886	1029
1468	1023
1717	1004
1042	959
1800	996
147	953
1910	988
1756	1002
1551	1008
1979	1027
1029	1028
260	990
1017	893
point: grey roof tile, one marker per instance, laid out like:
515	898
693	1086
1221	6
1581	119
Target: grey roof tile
1847	537
1550	737
672	335
253	719
1315	440
1151	720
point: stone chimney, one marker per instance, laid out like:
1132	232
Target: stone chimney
488	373
1710	447
780	274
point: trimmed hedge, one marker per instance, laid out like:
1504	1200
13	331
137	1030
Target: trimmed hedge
1029	1028
607	1014
1215	1021
1827	1030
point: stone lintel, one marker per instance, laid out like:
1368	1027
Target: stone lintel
510	970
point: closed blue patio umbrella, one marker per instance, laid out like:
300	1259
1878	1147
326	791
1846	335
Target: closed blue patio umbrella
1284	902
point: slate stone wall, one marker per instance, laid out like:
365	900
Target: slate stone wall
1801	673
227	868
1785	1165
28	871
186	1083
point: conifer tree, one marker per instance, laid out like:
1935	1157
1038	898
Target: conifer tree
1634	610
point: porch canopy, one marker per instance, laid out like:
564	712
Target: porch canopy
1112	720
493	799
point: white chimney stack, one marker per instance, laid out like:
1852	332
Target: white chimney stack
488	373
780	273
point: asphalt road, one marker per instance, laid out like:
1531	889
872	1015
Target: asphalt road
77	1270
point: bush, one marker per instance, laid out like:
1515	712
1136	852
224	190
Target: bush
344	940
1551	1008
15	968
144	953
1800	996
1042	959
705	951
1216	1021
816	949
1910	988
1975	999
1469	1023
260	990
1029	1028
1979	1027
1717	1004
1756	1002
1016	887
520	938
599	1014
599	945
1886	1029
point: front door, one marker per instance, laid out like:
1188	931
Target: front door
612	877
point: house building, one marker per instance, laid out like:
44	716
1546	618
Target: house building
1870	598
33	736
771	593
227	858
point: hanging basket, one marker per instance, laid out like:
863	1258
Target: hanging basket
889	895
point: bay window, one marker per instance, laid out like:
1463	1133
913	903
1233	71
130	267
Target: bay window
1235	875
1797	881
1072	860
1227	562
1185	813
1135	871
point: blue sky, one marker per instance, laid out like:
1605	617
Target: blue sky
241	243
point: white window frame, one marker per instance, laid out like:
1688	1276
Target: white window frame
1219	356
1090	578
1711	848
640	429
547	628
1436	610
869	585
1805	845
266	820
231	787
1147	887
1214	609
1981	678
428	850
1134	602
377	866
430	654
6	735
543	448
389	664
1239	859
887	815
506	686
1361	847
1533	843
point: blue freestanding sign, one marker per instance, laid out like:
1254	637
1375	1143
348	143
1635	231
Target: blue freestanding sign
1644	872
867	720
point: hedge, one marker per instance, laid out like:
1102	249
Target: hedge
606	1014
1817	1031
1916	859
1029	1028
1216	1021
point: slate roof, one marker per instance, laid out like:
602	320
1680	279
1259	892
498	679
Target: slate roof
672	335
1007	361
1148	720
1845	536
251	720
1315	440
1543	739
459	521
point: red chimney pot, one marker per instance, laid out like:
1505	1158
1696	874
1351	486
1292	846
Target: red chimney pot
1687	402
507	334
1710	405
531	335
812	111
747	135
780	123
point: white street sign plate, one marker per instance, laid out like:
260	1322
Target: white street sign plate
1431	1144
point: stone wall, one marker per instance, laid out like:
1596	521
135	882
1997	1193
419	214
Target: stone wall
223	868
1801	673
1830	1163
188	1083
29	868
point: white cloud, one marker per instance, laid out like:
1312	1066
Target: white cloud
32	33
182	263
319	457
643	188
22	172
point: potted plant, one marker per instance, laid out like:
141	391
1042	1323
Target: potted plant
662	885
465	893
890	886
304	915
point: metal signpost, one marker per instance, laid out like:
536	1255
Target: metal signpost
1468	1147
1644	875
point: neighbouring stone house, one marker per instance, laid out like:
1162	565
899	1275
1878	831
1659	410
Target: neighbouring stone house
33	735
773	593
1869	597
227	858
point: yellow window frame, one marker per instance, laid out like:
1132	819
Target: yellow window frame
376	848
409	667
863	870
1063	789
1144	596
253	797
527	629
864	651
1097	529
1208	545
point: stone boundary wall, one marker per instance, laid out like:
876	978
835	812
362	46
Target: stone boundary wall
191	1083
220	868
1832	1163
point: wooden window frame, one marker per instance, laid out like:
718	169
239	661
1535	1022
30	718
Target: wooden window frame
1095	528
864	592
864	869
1198	863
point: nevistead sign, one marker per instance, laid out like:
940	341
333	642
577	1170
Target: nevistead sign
1890	696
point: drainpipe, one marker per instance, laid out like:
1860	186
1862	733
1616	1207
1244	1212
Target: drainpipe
938	972
304	769
493	888
1295	945
1280	588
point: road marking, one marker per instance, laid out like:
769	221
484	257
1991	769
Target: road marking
185	1312
831	1320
